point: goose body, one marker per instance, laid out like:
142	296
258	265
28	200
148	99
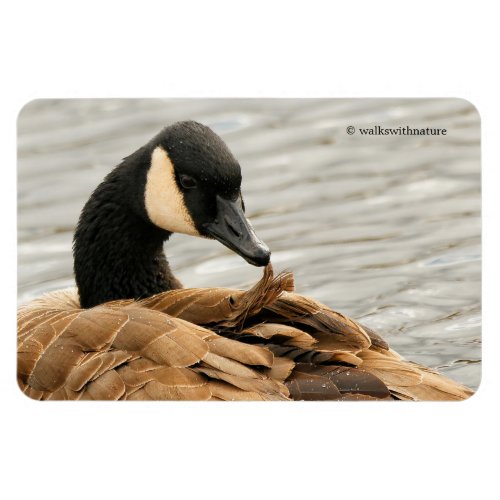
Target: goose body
131	331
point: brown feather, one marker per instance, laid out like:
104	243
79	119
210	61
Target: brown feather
348	380
269	389
93	366
281	369
238	351
282	334
311	387
212	344
108	386
227	392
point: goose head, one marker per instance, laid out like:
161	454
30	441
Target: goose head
193	186
185	180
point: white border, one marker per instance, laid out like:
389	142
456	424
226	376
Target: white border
221	48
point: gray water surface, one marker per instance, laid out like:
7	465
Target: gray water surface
385	229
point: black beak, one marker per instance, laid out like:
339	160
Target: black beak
233	230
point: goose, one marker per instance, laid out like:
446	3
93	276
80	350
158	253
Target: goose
131	331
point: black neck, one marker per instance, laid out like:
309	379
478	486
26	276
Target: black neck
118	253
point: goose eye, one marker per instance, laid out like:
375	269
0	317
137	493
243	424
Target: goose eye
187	182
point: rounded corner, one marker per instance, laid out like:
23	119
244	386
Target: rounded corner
25	106
475	391
27	396
471	105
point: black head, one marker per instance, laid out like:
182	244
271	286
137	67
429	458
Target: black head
193	186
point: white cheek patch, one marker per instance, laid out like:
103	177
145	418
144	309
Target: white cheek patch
164	201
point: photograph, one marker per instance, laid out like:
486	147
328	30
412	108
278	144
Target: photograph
249	249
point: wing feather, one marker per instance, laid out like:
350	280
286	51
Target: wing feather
267	343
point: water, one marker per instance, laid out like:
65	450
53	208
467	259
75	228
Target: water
385	229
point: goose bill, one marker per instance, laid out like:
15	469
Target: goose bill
234	230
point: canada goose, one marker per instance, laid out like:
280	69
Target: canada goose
132	332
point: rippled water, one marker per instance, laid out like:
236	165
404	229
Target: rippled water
383	228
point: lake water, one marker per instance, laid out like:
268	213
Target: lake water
386	229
